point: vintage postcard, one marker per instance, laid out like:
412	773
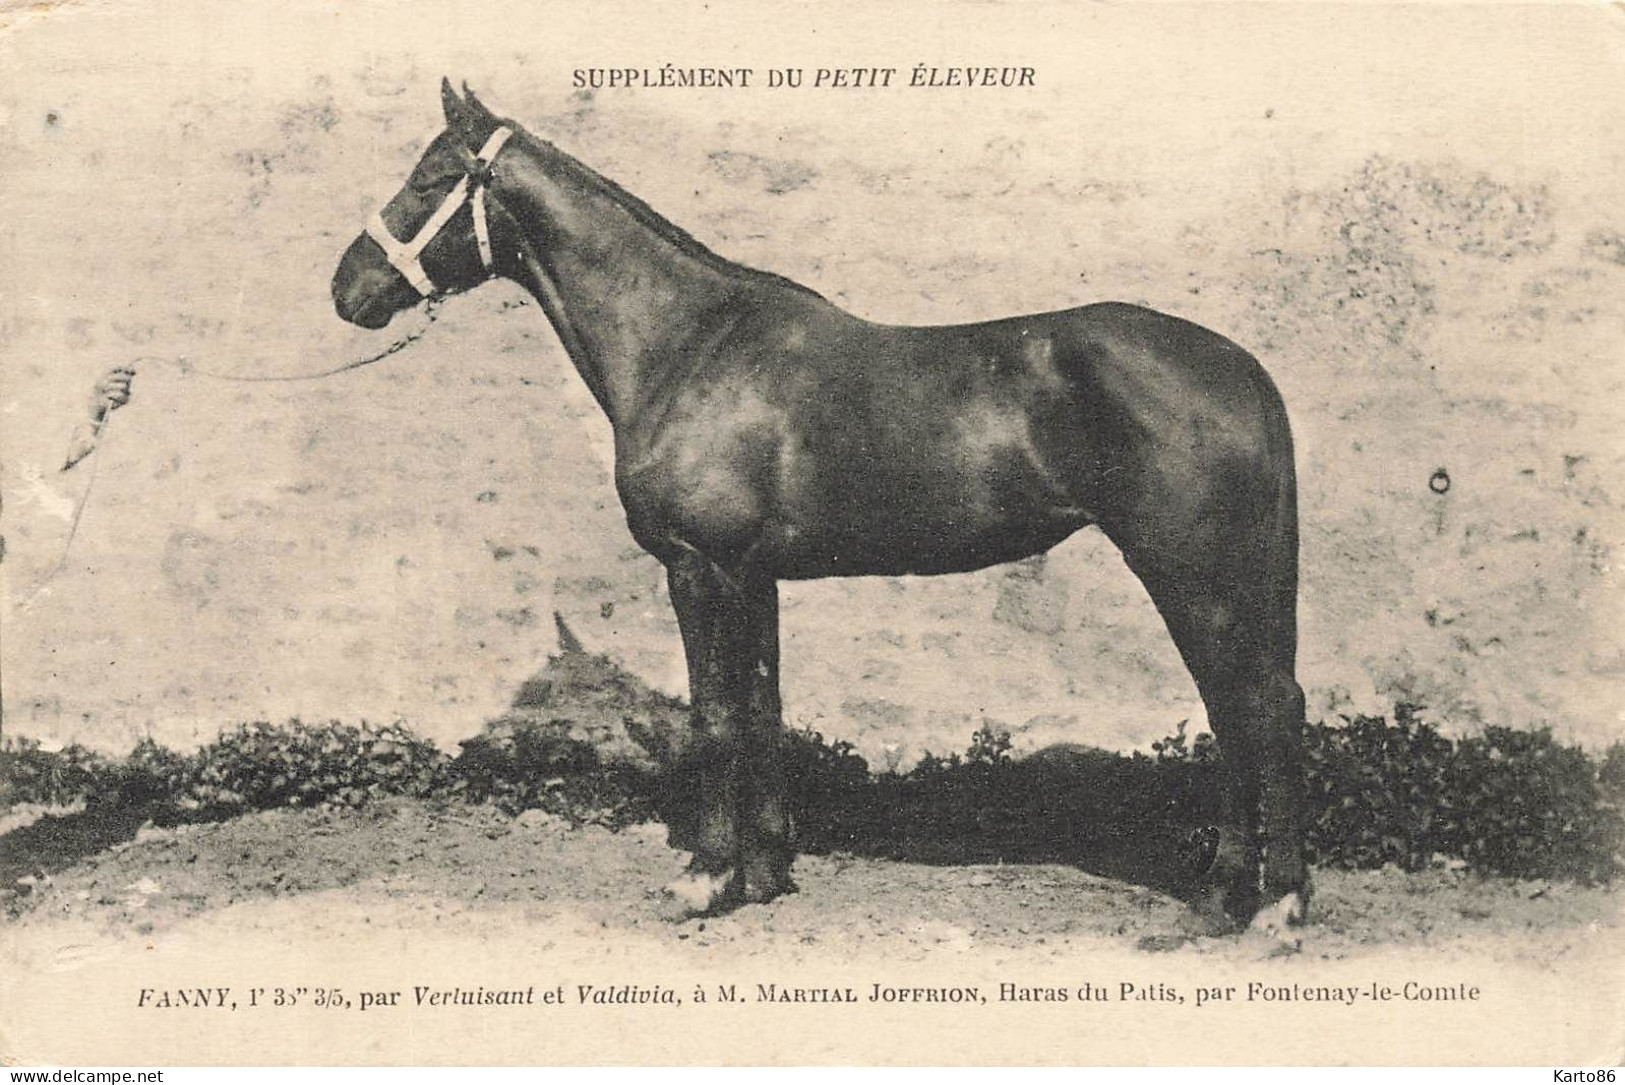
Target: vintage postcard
952	533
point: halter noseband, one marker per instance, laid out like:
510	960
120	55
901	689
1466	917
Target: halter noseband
404	255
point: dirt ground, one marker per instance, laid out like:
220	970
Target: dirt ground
475	862
467	891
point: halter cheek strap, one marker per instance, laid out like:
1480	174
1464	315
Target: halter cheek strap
405	256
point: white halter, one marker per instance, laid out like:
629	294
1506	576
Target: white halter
404	255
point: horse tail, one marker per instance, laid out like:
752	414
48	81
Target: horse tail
1281	547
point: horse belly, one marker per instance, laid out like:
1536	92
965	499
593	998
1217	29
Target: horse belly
905	556
888	520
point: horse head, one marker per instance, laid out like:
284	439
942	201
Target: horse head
433	237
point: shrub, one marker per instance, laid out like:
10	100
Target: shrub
31	774
988	747
1185	784
521	763
1516	803
151	775
261	765
1525	806
1377	791
831	794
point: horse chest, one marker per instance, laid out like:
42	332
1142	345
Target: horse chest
697	484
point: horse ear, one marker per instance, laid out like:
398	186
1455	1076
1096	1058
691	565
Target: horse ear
466	118
453	105
477	107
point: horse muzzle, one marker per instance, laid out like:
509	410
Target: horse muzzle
366	291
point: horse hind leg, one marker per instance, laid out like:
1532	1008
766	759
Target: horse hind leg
1286	871
1257	713
1219	614
1286	883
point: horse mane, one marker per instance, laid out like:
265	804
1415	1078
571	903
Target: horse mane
648	217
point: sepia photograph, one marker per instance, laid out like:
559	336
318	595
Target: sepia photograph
979	532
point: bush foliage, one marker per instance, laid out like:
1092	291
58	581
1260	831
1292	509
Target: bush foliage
521	763
1380	791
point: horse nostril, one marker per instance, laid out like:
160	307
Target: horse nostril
343	304
352	308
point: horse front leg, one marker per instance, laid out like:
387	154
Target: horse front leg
767	847
738	809
710	772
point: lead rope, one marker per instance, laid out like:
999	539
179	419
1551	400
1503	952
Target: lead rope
99	436
186	368
404	257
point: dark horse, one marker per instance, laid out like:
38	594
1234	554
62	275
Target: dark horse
762	434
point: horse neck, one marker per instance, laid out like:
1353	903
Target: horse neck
621	286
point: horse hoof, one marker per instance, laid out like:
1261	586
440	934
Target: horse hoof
1272	933
1225	892
1268	947
760	892
1277	919
703	894
1209	918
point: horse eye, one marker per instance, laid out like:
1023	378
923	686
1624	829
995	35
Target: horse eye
434	185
